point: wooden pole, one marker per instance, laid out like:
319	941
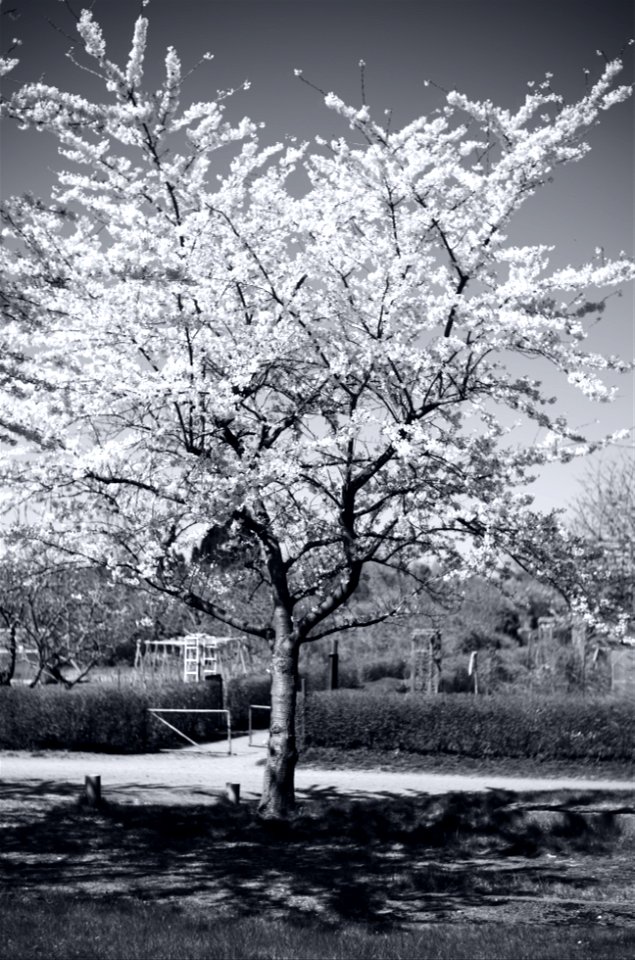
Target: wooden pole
413	665
334	668
233	792
301	725
92	791
473	669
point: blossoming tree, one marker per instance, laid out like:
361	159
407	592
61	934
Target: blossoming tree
312	382
604	519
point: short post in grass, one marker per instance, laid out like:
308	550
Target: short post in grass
232	792
92	791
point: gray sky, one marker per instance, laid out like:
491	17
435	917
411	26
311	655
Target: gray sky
486	48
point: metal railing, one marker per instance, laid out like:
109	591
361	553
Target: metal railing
256	706
155	711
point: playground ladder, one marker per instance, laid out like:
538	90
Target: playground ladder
210	659
191	661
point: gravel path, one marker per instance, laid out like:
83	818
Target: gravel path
199	775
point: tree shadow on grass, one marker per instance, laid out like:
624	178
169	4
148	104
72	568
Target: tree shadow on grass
363	859
27	789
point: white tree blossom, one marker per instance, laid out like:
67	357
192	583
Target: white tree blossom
317	381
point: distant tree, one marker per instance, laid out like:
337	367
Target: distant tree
65	616
324	378
9	621
604	517
72	618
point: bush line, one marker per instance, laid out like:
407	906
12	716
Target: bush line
541	728
100	718
103	719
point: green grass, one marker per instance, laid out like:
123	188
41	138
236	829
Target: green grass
63	930
362	758
456	876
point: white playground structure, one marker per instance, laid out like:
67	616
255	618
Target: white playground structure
202	656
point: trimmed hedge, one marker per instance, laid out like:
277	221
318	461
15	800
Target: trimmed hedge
318	678
100	718
256	689
241	691
541	728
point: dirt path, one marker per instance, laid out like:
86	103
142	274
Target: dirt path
199	774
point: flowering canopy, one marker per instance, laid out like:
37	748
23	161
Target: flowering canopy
190	348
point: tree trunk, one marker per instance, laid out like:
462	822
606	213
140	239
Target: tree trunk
278	797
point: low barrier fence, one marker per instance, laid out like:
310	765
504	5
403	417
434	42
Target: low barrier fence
252	707
155	711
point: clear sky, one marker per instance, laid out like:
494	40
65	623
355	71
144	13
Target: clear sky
485	48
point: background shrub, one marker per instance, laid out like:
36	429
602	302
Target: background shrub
252	689
102	718
542	728
378	669
241	691
256	688
318	678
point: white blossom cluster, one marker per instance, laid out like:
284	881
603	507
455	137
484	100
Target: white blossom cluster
187	345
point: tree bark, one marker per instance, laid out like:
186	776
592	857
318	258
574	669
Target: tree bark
278	796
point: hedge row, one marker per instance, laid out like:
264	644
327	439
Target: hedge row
240	692
256	689
104	719
473	726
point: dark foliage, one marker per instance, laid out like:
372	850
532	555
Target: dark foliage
243	691
378	669
545	728
101	718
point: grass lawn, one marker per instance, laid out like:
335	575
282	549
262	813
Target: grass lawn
60	930
463	875
333	758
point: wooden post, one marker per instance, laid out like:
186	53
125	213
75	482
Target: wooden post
92	791
233	792
334	667
300	717
578	639
472	669
436	655
413	665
